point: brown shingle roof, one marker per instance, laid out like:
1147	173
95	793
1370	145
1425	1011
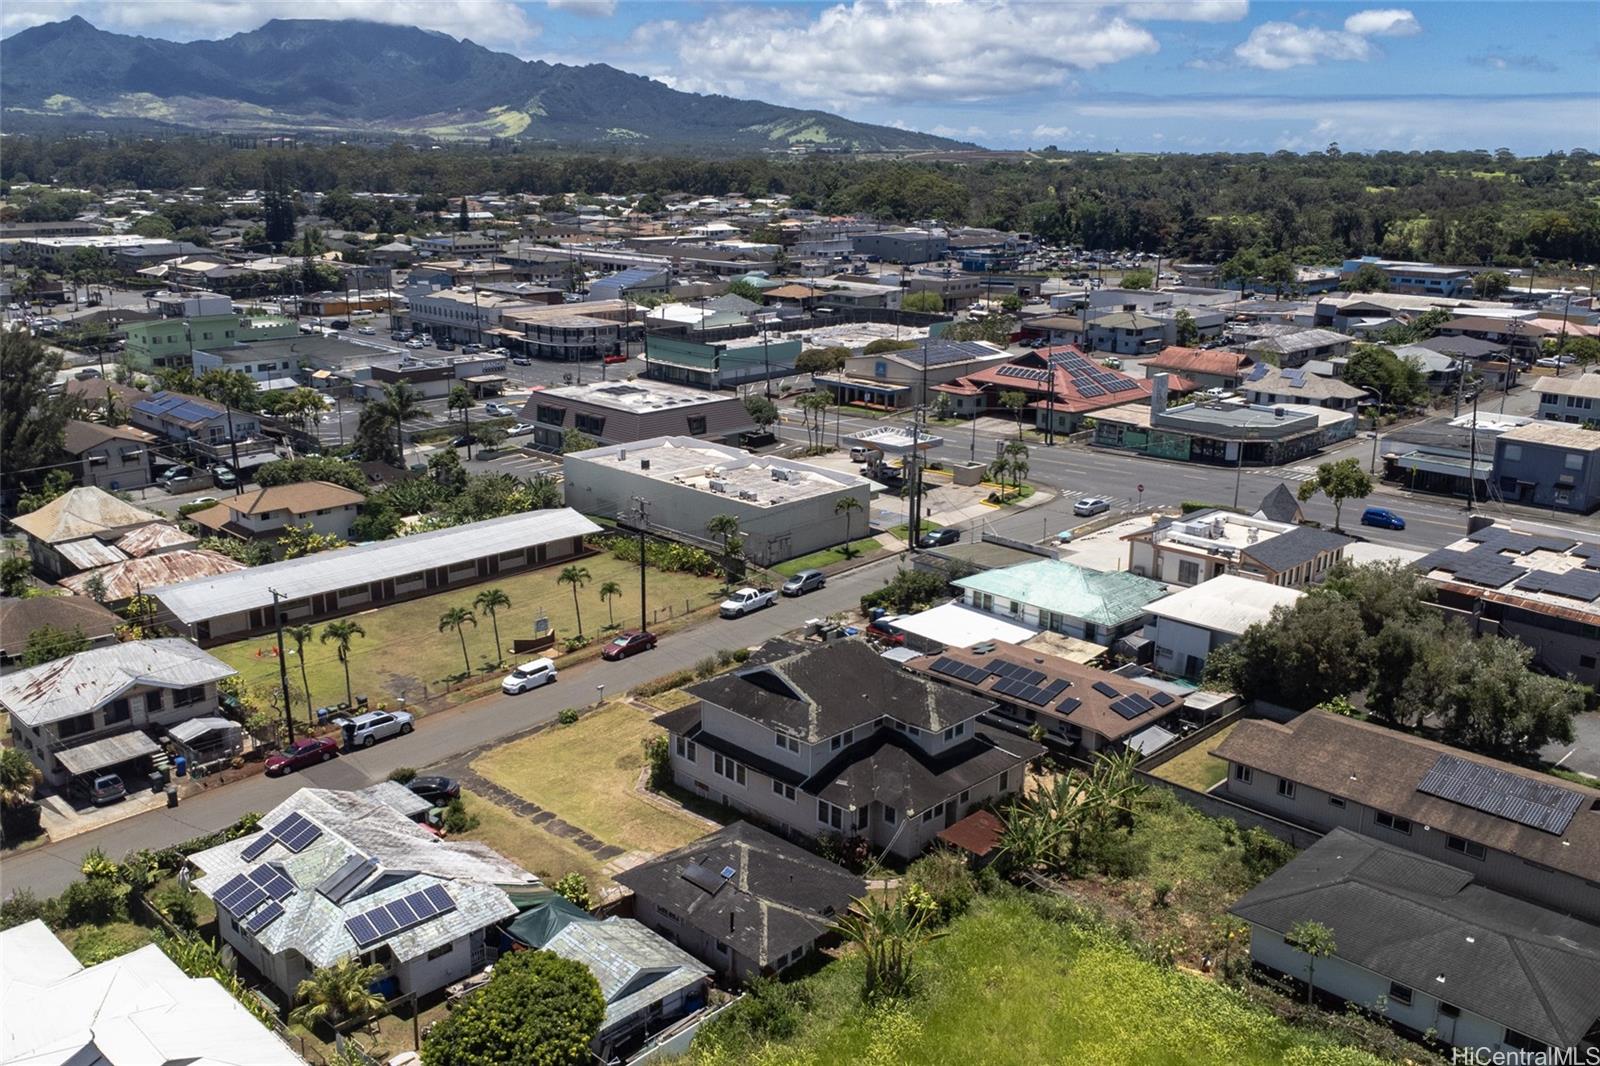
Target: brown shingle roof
19	617
300	498
78	437
1382	767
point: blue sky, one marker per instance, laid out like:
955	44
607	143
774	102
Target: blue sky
1173	75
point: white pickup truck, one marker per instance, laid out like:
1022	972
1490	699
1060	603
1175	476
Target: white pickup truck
745	601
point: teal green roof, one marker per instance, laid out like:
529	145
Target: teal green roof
1066	589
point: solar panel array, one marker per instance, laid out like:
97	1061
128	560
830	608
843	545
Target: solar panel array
704	879
264	917
1106	690
1577	584
1017	681
1089	378
1023	373
399	915
1590	554
296	832
1132	705
1161	698
1483	565
351	873
941	353
1500	539
1501	793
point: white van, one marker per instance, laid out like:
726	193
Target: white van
529	675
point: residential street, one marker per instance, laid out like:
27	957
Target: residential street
49	869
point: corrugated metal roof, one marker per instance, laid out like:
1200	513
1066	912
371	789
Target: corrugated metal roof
89	679
81	512
1067	589
89	552
108	751
154	538
195	728
194	601
635	967
124	579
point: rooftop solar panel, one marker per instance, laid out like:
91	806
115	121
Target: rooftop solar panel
1502	793
424	907
702	878
1138	702
943	665
1576	584
383	921
1162	699
258	847
343	881
264	917
1127	708
1090	390
440	898
400	910
1058	686
232	889
1067	706
297	832
273	881
1105	689
248	900
1030	677
361	930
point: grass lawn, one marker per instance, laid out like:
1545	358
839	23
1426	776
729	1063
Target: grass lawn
404	654
1007	985
526	844
97	943
903	530
825	557
585	773
1195	768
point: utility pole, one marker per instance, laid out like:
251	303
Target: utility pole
283	665
1376	411
641	514
1472	460
1238	474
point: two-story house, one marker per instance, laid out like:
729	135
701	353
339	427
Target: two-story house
1267	385
1187	626
836	739
78	530
209	428
1126	332
1206	544
264	514
1569	399
1065	598
339	875
111	457
1518	831
1442	954
99	710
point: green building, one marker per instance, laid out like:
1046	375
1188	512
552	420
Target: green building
718	364
172	341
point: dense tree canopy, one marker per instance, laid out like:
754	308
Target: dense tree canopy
537	1010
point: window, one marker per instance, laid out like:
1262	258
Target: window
697	425
686	749
71	727
117	711
1004	775
781	789
1574	460
964	794
184	697
1466	847
441	951
1389	821
668	915
1399	993
785	742
842	739
1523	1042
594	425
829	815
1285	788
1449	1010
888	815
727	768
950	734
550	416
1241	773
1586	661
1335	801
1188	572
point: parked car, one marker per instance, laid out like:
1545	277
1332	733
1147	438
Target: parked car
631	642
882	631
1383	518
464	440
416	343
521	429
364	730
521	360
174	474
803	582
367	331
471	349
307	751
616	357
745	601
860	453
224	476
1091	505
202	501
400	335
529	675
436	790
445	345
938	538
100	789
498	410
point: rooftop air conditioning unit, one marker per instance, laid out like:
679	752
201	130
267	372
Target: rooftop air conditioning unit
747	494
717	486
780	475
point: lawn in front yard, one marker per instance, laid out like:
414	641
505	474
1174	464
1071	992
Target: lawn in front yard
585	774
1196	768
405	654
532	848
819	559
903	530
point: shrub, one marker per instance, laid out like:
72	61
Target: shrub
705	667
771	1009
94	901
664	684
944	876
1263	853
658	756
574	889
403	775
457	819
726	657
567	716
1163	892
538	1009
24	906
177	906
572	644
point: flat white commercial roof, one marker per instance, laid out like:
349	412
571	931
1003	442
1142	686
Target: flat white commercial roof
637	397
955	625
1227	603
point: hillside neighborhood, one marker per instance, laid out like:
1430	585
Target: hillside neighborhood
632	623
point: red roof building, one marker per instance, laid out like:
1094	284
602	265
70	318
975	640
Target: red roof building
1205	367
1059	382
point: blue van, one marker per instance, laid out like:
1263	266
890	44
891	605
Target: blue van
1383	518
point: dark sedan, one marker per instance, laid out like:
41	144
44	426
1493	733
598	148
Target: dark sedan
436	790
623	645
307	751
939	538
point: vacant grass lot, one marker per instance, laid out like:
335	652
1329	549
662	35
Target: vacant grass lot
1196	768
1009	986
526	844
404	654
585	774
827	556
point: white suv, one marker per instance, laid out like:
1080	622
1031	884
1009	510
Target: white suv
364	730
529	675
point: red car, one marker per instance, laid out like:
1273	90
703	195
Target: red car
881	632
307	751
616	357
629	643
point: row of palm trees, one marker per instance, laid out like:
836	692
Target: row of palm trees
1010	465
578	577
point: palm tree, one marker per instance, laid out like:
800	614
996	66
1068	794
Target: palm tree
455	618
725	526
1018	453
847	506
342	633
1316	941
400	402
577	577
337	993
889	933
490	601
1016	400
300	634
544	493
608	592
17	777
461	400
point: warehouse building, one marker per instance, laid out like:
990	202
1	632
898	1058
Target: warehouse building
784	508
621	412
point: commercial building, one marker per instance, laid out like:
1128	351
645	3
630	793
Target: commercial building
902	246
1062	386
265	514
1549	464
1473	968
1518	831
1570	399
457	245
127	250
340	875
461	314
1207	368
1125	332
784	508
742	901
620	412
333	583
101	709
1538	584
1420	278
569	332
835	739
714	365
1187	626
193	321
1064	598
1224	433
272	364
131	1010
1082	710
1200	546
631	283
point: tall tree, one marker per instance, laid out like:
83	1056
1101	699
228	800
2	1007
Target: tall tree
400	403
457	618
461	400
609	591
848	506
301	635
338	993
577	577
341	632
1188	334
1016	401
1340	480
32	418
491	602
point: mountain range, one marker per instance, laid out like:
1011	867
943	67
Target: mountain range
329	76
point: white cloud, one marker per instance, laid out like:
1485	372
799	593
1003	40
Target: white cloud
1188	10
497	23
895	50
1054	133
1383	22
591	8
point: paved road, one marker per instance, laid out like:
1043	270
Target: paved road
47	870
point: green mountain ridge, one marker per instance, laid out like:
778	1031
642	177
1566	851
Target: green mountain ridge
365	77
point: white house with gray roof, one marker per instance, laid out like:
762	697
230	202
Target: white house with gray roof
335	875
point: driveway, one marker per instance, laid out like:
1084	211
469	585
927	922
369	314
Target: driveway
1583	754
48	869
